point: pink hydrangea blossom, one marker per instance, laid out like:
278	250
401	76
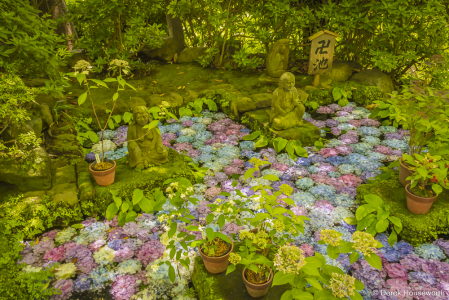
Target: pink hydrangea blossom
299	210
307	250
279	167
124	287
187	123
123	254
230	170
355	123
344	150
150	251
370	122
231	228
56	254
66	288
51	234
325	110
95	246
86	264
117	234
212	192
113	222
396	270
382	149
351	180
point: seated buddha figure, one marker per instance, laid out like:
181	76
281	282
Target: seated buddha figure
286	107
145	146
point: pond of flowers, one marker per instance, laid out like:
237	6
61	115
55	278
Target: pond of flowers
324	189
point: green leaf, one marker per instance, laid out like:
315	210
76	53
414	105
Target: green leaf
121	218
251	136
93	136
210	218
279	144
359	285
210	234
353	257
110	123
99	82
221	221
117	118
350	220
382	225
131	216
171	273
117	200
393	238
111	211
281	278
313	282
137	195
77	226
127	117
325	295
437	188
45	286
271	177
374	261
310	270
261	142
356	296
230	269
287	295
374	200
125	206
82	98
364	210
131	87
223	237
333	251
80	77
146	205
115	96
249	173
173	228
298	294
382	214
110	80
152	124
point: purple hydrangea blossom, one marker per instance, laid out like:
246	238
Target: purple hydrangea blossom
124	287
150	251
115	244
66	288
325	110
117	234
86	264
52	234
123	254
55	254
82	283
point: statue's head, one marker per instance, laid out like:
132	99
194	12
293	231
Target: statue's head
140	115
287	81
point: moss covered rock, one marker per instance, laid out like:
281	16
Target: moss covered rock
226	287
126	180
191	54
64	192
340	71
375	77
417	229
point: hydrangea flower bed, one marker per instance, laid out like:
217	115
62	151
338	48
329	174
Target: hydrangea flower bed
324	189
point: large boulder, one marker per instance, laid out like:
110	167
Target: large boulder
340	71
354	66
191	54
28	179
134	101
34	124
375	77
166	51
189	96
174	99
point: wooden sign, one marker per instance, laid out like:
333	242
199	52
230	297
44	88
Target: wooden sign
322	52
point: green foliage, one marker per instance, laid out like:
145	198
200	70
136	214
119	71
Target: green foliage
341	96
427	171
423	111
127	210
197	106
28	40
15	283
416	229
116	29
208	57
242	60
33	216
374	217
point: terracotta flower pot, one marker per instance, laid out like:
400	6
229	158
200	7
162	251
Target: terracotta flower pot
103	178
416	204
404	172
216	265
257	290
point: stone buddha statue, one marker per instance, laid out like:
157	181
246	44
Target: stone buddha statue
287	108
277	60
144	148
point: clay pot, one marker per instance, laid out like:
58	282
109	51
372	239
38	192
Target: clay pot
404	172
416	204
216	265
103	178
257	290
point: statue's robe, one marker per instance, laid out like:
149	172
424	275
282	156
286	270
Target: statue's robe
289	102
149	148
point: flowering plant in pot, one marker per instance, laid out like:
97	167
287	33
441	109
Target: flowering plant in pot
273	228
327	281
104	171
422	111
428	179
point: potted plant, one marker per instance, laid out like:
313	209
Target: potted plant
422	111
427	181
272	230
104	171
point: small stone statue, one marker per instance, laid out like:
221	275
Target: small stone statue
287	108
277	60
144	148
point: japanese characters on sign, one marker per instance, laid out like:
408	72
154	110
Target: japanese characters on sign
322	52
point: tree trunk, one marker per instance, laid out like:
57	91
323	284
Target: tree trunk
57	9
175	30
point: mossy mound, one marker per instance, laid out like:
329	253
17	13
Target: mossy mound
417	229
126	180
226	287
306	134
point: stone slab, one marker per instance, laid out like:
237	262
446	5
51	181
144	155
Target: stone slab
65	174
66	192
